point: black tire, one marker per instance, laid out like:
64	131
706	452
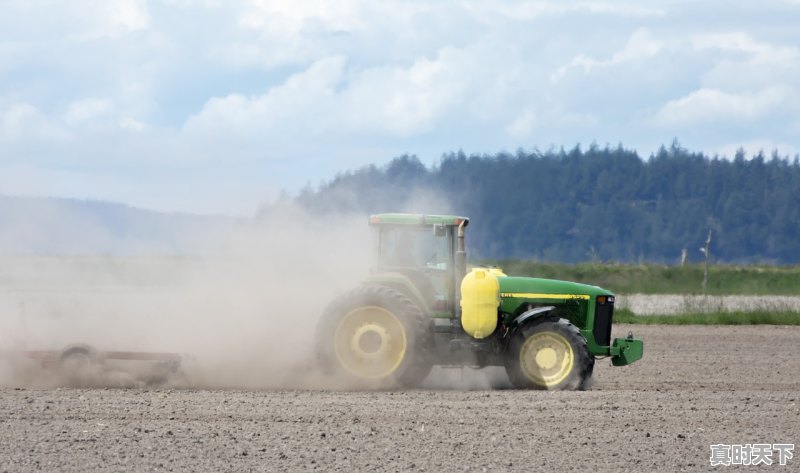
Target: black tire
375	337
549	354
78	365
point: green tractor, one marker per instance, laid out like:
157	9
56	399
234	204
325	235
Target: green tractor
422	307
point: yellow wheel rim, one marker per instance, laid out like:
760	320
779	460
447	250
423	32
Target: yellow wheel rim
546	358
370	342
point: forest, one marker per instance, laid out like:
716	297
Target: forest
598	204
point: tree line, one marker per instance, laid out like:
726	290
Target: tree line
595	204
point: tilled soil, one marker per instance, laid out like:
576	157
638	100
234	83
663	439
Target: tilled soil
696	386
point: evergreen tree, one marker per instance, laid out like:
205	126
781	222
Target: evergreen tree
602	202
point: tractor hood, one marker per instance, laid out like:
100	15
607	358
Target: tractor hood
546	289
539	285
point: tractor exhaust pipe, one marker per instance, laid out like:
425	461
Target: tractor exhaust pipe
461	247
460	264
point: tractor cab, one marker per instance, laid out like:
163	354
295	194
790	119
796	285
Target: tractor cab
424	250
418	248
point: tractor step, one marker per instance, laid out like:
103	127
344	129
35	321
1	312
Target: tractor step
474	346
445	325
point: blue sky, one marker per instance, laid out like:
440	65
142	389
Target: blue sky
216	106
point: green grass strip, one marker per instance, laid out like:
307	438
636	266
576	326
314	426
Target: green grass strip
714	318
664	279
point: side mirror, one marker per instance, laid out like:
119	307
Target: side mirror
439	230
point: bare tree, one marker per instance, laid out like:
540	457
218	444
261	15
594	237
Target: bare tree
707	251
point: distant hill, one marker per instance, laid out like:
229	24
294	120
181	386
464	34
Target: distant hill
598	204
31	225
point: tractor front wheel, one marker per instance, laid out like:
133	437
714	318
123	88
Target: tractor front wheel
548	354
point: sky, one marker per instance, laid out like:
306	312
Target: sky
208	106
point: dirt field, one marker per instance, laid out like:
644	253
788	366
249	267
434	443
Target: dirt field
696	386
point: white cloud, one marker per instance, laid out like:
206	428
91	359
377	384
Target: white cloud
530	10
743	63
130	14
113	18
329	97
739	41
290	32
87	109
640	45
196	3
23	121
273	33
706	106
633	9
14	120
289	15
281	93
512	10
307	92
75	20
523	125
131	124
407	100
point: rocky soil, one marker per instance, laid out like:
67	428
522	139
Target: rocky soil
696	386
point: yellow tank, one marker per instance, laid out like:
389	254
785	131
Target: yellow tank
479	300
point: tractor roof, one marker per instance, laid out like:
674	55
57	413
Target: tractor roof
416	219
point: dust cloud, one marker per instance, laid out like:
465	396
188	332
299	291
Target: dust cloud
243	316
240	316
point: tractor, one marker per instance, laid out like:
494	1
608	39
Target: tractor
422	306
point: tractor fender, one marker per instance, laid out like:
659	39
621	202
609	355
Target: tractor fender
530	315
400	283
77	349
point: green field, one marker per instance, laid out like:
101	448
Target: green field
757	317
662	279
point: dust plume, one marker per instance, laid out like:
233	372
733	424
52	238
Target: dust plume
245	314
241	316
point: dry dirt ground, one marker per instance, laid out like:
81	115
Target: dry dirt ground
695	387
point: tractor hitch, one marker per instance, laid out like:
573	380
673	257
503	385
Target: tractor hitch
625	351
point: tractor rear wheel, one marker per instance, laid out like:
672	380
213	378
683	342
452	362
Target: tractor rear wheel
375	337
549	354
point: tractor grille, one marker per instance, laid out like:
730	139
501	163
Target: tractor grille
602	323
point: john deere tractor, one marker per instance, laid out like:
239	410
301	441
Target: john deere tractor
422	307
